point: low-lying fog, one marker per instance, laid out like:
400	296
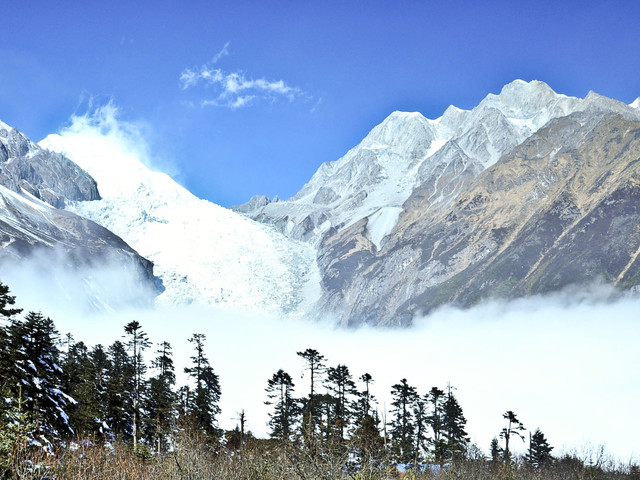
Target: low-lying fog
569	366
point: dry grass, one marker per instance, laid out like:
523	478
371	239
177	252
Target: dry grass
193	458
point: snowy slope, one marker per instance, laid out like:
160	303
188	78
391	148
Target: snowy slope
202	252
408	151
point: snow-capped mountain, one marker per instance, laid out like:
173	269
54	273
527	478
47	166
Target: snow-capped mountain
202	252
385	217
407	151
531	191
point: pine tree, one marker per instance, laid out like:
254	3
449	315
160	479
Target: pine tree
285	408
539	450
453	428
79	380
203	402
402	424
420	421
514	427
137	343
160	403
6	300
101	368
365	399
311	408
367	443
342	390
366	438
35	378
6	362
119	390
496	452
435	420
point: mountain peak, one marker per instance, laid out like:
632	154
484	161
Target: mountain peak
519	93
399	127
400	116
606	104
593	96
532	87
635	103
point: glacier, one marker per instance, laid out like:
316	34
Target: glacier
203	253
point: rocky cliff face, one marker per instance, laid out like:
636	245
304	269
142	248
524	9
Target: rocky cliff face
527	193
544	217
48	176
33	183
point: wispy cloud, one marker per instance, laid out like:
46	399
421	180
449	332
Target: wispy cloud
235	89
222	53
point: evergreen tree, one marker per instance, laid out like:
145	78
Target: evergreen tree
101	368
161	399
453	428
367	443
366	438
6	362
285	408
35	377
342	390
5	301
137	343
435	420
420	421
539	450
79	380
496	451
311	408
514	427
119	390
402	425
365	399
203	402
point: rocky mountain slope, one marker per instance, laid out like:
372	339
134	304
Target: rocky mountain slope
475	204
33	182
51	177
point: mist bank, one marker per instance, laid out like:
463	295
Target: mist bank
63	285
567	365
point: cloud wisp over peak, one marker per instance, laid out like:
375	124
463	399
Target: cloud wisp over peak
235	89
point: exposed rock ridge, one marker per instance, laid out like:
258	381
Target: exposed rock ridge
49	176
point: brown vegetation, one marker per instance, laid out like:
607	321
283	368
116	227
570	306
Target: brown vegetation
194	457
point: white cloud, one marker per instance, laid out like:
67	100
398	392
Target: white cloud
235	89
100	131
222	53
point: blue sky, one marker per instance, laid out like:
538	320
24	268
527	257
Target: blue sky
248	98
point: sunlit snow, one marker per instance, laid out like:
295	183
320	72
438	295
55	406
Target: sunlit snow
202	252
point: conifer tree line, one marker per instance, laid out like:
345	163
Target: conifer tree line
55	389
